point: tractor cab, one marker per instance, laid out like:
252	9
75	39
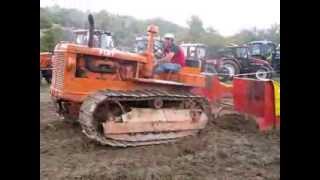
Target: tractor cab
101	39
195	54
262	49
235	51
141	45
241	53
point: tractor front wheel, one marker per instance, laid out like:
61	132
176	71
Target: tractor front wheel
263	73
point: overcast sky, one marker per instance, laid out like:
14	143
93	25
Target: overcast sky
226	16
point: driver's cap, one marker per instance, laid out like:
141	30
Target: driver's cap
169	36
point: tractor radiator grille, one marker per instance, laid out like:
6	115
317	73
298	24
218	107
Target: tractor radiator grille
58	70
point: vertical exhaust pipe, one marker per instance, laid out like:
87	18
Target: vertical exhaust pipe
148	67
91	30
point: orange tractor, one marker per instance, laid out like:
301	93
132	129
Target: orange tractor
118	102
80	37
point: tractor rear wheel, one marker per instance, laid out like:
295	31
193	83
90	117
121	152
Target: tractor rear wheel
229	69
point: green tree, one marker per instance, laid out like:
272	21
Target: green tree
126	28
51	37
103	20
274	33
246	35
195	27
47	41
45	21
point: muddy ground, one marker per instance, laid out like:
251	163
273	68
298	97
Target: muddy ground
230	149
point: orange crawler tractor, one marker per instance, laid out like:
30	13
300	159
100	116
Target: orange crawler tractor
117	101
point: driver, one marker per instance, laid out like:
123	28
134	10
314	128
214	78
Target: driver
174	57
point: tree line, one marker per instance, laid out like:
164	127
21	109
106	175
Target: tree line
56	24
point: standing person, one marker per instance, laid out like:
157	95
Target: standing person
174	57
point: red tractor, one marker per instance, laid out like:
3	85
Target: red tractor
231	61
236	59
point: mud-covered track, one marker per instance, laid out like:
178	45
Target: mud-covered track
90	105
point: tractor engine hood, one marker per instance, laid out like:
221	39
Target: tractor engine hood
213	61
259	61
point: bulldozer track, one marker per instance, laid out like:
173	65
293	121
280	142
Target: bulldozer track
89	107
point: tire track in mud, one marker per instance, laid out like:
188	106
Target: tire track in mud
222	151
